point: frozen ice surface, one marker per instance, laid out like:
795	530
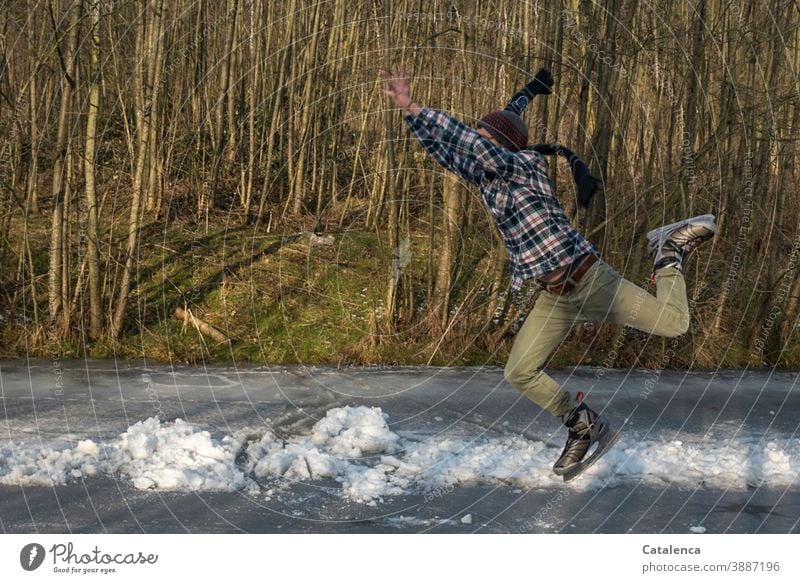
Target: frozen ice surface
115	447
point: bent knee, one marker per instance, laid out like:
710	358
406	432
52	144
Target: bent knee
675	327
521	375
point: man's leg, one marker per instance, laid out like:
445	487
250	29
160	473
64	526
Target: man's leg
585	426
544	329
618	300
667	314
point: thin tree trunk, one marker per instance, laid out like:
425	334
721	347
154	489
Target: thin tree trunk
143	120
221	135
57	270
32	191
306	111
92	231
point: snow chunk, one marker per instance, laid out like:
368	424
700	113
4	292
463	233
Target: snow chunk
176	456
87	448
354	432
168	456
345	433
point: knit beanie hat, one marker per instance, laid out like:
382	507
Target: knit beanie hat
507	127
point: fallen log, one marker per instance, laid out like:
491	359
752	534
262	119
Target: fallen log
187	317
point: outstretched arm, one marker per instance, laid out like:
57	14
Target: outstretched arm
453	144
429	128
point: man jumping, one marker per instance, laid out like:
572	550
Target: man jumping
578	286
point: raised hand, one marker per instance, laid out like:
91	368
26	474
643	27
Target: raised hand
397	87
541	84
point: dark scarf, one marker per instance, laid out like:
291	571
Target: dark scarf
542	84
586	184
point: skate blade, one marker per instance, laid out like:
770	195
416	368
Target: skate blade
602	447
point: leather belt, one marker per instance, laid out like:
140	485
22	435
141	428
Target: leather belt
573	275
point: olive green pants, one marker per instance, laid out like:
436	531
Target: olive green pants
602	295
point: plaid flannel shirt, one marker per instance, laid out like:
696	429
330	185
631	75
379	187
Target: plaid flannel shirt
515	187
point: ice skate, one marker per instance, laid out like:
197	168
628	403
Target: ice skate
586	429
669	245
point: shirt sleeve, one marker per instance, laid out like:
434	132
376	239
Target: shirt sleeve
446	140
475	153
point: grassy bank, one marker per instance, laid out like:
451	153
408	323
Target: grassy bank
278	297
283	298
